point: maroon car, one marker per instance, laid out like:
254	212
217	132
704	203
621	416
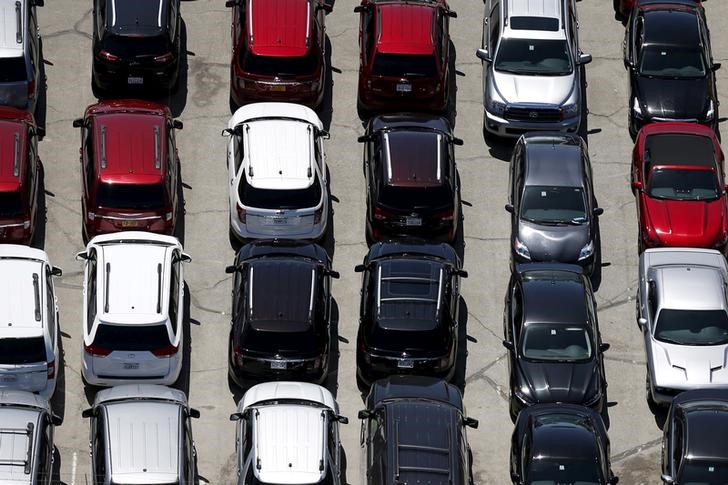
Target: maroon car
130	168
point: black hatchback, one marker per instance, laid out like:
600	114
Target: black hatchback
412	182
281	312
408	322
136	44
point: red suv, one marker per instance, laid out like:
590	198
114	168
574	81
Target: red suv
20	170
130	168
678	182
278	51
404	56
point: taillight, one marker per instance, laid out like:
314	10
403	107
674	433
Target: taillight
444	216
108	56
380	214
31	89
241	213
52	369
164	58
96	350
317	215
165	351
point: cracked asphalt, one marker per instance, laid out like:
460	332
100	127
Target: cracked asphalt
202	103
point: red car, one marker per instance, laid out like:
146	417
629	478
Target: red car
130	168
678	182
20	171
624	7
404	56
278	51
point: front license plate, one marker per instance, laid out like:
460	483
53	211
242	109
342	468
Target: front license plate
131	223
405	363
404	88
135	80
131	365
413	221
278	364
278	87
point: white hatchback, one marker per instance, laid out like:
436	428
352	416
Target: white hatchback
133	309
277	172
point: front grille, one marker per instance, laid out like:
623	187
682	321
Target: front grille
533	114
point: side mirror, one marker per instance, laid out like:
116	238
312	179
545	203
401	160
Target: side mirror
471	423
81	256
177	125
78	123
334	274
359	268
598	211
715	66
364	139
38	3
193	413
451	14
360	9
185	258
231	269
324	134
509	208
461	273
457	141
227	132
56	420
364	414
236	417
483	55
604	347
509	345
87	413
614	481
642	321
637	185
325	7
667	479
584	59
55	271
341	419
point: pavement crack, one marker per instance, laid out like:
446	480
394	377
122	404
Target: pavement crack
636	450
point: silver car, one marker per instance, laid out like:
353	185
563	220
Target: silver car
532	76
683	313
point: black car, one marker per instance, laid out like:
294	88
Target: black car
554	213
281	312
414	432
672	74
561	443
136	44
412	181
555	349
693	446
408	321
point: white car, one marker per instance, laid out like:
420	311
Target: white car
288	432
29	322
133	293
683	313
277	173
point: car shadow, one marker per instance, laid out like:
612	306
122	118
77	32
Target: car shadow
41	212
179	227
458	378
328	240
332	378
183	381
451	111
344	461
326	109
584	125
177	98
58	400
56	469
499	148
41	106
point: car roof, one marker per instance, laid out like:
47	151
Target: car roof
21	299
283	390
706	426
564	435
269	279
280	28
406	28
18	431
415	158
12	42
13	154
673	25
545	290
690	287
553	164
139	391
530	19
680	149
535	8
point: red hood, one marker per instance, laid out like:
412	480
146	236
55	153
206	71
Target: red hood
686	223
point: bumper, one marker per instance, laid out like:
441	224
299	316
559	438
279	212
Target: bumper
300	93
372	368
435	232
371	101
108	76
16	234
512	129
243	233
637	123
45	392
105	226
260	370
517	405
94	379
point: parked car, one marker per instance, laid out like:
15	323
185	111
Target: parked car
21	78
555	351
413	187
532	67
29	357
670	62
554	211
413	429
279	51
692	432
27	426
130	176
288	432
683	313
404	56
21	172
133	309
277	190
281	312
560	443
142	433
135	44
408	321
678	180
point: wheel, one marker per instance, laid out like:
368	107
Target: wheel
362	111
648	395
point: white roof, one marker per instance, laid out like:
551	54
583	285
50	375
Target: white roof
252	111
534	8
9	45
18	293
138	237
287	390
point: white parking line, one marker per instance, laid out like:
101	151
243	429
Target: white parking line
73	468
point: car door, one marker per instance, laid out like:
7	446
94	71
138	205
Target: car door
334	448
98	449
32	181
677	442
172	165
87	165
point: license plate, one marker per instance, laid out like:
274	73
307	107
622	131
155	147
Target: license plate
8	379
404	88
405	363
135	80
413	221
275	221
131	365
131	223
278	87
278	364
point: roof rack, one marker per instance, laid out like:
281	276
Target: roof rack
103	146
250	291
420	449
157	146
323	441
106	289
312	151
310	301
36	294
16	155
28	432
308	23
258	464
250	22
417	279
159	288
19	23
388	156
439	156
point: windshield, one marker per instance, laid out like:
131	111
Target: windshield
404	65
697	472
534	57
556	343
666	183
692	327
672	62
130	196
555	205
553	472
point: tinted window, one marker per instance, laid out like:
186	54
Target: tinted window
553	205
536	57
12	69
552	472
697	472
556	343
674	62
683	184
692	327
404	65
128	196
11	204
130	46
280	199
278	66
535	23
134	337
408	198
22	350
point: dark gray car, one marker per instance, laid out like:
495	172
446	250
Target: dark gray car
554	210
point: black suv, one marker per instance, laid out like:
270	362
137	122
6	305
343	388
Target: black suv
408	321
561	443
554	213
693	449
672	75
414	432
555	349
413	187
281	312
136	44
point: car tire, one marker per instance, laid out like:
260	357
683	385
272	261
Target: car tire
362	111
97	91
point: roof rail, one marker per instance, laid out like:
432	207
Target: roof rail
439	156
250	22
16	155
36	294
439	291
247	140
309	20
379	290
310	301
312	151
18	23
505	12
106	287
157	145
258	465
103	146
159	287
324	440
250	291
399	469
27	431
388	156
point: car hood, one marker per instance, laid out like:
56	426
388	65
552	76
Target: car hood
686	223
673	98
533	89
688	366
558	382
554	243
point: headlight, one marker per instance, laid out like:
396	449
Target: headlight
523	394
570	110
495	107
586	251
521	249
636	107
711	112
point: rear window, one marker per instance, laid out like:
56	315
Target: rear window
278	66
12	69
128	196
280	199
417	198
132	337
132	45
22	350
404	65
11	204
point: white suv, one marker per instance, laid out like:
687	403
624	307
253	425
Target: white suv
29	322
277	173
133	309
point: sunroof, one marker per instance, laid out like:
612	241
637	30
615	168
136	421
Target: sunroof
535	23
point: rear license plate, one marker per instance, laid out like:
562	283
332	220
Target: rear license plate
278	87
131	365
413	221
275	221
278	364
135	80
8	379
405	363
404	88
131	223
